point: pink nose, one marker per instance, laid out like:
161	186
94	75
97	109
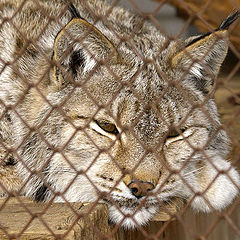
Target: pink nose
140	188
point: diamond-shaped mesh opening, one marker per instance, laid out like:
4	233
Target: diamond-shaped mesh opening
114	116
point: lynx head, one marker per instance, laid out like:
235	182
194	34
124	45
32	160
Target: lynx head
136	122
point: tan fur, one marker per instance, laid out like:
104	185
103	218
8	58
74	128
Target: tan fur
68	76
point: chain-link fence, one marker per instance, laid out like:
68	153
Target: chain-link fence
117	121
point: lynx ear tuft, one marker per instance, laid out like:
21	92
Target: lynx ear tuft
229	20
78	47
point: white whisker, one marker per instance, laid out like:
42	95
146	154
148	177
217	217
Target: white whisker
194	171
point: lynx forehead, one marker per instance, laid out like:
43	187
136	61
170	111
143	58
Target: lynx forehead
98	100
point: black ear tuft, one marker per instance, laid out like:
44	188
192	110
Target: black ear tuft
224	26
75	13
228	21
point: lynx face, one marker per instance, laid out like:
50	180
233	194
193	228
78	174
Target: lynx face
132	124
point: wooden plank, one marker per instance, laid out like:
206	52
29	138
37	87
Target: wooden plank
23	219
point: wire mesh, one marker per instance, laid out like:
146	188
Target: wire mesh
102	105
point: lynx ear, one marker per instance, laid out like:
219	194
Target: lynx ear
201	59
78	47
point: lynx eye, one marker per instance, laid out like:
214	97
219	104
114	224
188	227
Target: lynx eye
174	133
108	127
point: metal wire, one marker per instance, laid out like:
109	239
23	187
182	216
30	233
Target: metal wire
14	154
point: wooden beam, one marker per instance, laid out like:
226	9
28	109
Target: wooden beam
23	219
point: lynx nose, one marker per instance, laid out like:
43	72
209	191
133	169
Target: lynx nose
140	188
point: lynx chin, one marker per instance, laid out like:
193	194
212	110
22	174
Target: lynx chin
97	104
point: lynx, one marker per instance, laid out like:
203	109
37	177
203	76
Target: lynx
98	105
